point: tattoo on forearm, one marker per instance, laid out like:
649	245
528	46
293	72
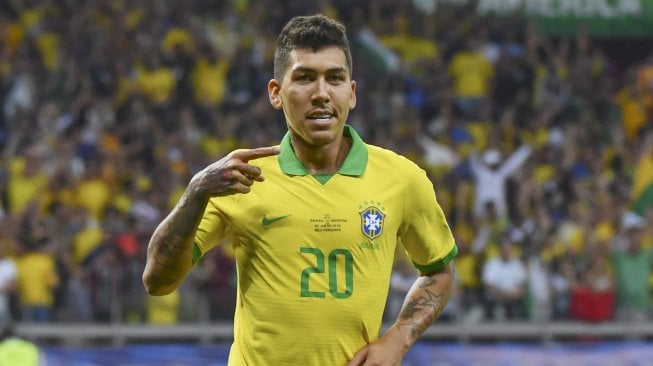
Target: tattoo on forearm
430	301
414	328
186	200
170	249
427	282
183	202
419	312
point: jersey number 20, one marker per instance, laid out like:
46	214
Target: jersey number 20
333	273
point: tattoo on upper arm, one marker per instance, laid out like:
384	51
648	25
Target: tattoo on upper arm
166	250
163	250
168	242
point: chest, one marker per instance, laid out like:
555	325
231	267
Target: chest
344	212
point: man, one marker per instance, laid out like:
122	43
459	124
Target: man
504	280
8	274
15	350
315	241
632	263
491	174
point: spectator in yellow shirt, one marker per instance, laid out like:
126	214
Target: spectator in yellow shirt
155	81
472	75
645	85
37	279
93	192
209	78
27	179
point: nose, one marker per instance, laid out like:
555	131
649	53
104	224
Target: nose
321	92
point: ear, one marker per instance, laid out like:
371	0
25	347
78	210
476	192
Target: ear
352	98
274	88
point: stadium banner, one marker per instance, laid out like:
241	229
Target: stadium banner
599	18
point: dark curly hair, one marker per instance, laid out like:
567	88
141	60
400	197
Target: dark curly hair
309	31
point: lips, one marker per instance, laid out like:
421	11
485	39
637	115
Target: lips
321	117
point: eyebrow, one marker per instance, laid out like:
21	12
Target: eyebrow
333	70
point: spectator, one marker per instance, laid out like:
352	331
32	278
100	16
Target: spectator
209	77
27	178
468	277
642	186
155	81
632	264
103	275
592	295
539	307
472	75
8	273
163	310
402	279
562	278
37	278
645	86
504	283
15	350
490	175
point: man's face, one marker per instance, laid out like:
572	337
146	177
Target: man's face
315	94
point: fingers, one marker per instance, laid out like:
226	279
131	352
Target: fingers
251	172
232	174
232	182
246	174
359	357
259	152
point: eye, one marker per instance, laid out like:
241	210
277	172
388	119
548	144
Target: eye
335	78
303	77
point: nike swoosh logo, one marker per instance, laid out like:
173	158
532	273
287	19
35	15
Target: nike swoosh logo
265	221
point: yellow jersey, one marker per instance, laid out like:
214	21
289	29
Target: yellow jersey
314	254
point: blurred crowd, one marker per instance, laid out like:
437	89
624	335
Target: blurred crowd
539	149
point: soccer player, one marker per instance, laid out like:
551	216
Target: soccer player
315	240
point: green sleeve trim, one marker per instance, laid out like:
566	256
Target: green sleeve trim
437	265
197	253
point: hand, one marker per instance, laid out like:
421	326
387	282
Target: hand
231	174
387	351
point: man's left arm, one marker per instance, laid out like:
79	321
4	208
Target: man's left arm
424	303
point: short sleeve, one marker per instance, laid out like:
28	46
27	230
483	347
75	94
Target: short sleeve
210	232
424	232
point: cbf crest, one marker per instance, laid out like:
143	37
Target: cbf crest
372	219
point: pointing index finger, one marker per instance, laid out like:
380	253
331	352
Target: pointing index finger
259	152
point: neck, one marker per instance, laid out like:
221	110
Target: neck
325	159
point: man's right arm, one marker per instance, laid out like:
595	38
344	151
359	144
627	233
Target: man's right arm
170	251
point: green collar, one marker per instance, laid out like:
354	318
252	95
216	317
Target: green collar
354	164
